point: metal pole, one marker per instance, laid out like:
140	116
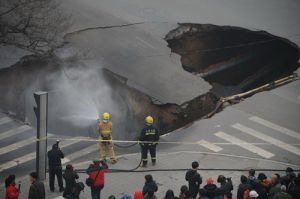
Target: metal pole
41	112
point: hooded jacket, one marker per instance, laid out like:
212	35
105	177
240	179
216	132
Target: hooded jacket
242	188
210	191
194	179
138	195
149	186
12	192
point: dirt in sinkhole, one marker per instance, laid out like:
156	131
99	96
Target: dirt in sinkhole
228	70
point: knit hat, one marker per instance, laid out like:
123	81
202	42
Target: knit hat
126	196
210	180
138	195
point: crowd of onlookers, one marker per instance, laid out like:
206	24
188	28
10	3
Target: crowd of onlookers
250	187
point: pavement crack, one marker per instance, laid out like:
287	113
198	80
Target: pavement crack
101	27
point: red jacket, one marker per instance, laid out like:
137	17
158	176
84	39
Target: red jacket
93	171
12	192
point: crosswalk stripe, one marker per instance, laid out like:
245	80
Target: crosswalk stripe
275	127
18	145
31	156
4	120
210	146
266	138
83	152
245	145
15	131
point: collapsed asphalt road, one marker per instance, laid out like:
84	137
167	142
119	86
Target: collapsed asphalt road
231	59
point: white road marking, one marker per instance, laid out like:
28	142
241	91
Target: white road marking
266	138
275	127
15	131
144	42
5	120
31	156
18	145
245	145
210	146
78	154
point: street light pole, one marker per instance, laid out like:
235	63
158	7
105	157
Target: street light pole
41	112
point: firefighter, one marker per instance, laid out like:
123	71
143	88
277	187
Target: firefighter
149	134
105	129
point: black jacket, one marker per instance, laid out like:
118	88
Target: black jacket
211	191
194	179
149	133
70	178
37	191
149	186
262	191
227	187
54	157
295	191
242	188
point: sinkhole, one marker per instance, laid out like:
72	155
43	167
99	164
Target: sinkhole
231	59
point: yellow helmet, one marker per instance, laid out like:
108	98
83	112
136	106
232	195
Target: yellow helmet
149	120
106	116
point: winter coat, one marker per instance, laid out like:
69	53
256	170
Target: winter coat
253	181
274	189
55	155
149	186
194	179
12	192
70	178
92	171
241	190
262	191
148	197
138	195
210	191
282	195
37	191
227	187
295	191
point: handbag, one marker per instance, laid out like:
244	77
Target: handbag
90	181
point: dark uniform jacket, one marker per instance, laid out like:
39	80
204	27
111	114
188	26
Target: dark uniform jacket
55	155
194	179
149	133
37	191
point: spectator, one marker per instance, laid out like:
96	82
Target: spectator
37	188
274	186
138	195
244	188
55	155
169	194
150	184
70	177
75	191
287	179
96	173
194	179
12	192
150	195
295	190
126	196
210	191
283	194
253	194
226	186
112	197
184	192
262	187
252	179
